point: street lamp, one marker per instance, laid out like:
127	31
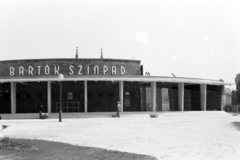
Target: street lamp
60	77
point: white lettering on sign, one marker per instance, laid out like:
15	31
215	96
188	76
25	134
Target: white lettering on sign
80	70
39	67
47	70
88	70
114	70
21	71
71	70
56	70
96	70
122	70
11	71
105	69
30	70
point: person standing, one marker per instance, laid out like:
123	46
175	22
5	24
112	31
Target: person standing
118	110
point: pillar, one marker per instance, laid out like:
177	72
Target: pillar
13	97
85	97
224	101
153	95
144	99
203	92
181	96
49	93
121	94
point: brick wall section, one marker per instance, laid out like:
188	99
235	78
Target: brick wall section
132	67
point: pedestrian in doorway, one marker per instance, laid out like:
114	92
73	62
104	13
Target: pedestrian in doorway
118	110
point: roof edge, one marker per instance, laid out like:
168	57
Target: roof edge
70	59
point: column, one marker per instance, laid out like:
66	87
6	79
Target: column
49	93
13	97
181	96
121	94
223	99
144	99
153	95
203	92
85	97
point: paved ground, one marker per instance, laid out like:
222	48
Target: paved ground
173	135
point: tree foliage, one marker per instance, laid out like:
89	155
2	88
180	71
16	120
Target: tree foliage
237	81
236	93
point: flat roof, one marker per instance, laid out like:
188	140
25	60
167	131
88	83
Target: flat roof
130	78
46	59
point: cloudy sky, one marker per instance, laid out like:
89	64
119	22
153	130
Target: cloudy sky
190	38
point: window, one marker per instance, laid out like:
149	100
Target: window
39	95
100	95
28	96
111	95
89	95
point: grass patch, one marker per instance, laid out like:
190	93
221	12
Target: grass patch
25	149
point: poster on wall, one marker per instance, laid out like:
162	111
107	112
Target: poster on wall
165	100
70	95
127	99
127	103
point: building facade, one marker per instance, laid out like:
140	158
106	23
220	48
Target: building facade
95	85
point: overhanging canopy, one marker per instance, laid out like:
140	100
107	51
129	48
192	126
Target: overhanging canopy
114	78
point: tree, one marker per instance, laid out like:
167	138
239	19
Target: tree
236	93
237	81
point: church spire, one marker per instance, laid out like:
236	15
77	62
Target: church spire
101	55
76	53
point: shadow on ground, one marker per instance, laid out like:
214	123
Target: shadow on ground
234	113
236	125
25	149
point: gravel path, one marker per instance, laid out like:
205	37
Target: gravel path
173	135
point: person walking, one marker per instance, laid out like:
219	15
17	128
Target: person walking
118	110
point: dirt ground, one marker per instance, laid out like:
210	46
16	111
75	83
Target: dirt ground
173	135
